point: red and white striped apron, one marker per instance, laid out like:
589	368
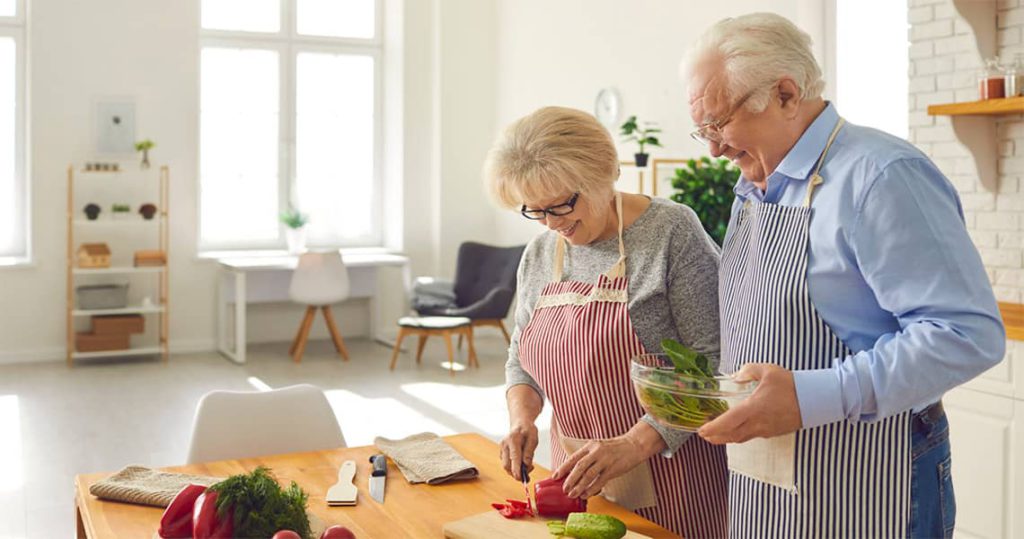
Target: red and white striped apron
577	346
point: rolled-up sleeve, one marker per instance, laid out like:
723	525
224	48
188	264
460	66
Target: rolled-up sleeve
911	246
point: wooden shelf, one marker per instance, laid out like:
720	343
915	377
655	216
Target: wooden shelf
134	221
141	351
123	310
117	270
1013	319
988	107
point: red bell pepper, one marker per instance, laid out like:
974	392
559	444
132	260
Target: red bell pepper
177	520
206	524
513	509
552	501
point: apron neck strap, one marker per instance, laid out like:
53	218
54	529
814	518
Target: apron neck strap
617	270
816	178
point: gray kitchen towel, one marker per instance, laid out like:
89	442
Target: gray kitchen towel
145	486
426	458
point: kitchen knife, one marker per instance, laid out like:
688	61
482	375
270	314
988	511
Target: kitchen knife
378	477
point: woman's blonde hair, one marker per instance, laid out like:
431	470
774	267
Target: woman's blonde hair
553	151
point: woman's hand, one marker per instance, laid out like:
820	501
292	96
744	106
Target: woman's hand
518	447
524	405
591	467
599	461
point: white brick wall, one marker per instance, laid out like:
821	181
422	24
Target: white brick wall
944	62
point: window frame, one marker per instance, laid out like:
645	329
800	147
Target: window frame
288	44
15	28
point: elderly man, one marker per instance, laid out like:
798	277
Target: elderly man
849	289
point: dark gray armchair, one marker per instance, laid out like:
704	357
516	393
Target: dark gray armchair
483	290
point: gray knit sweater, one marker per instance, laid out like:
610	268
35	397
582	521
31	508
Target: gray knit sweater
672	267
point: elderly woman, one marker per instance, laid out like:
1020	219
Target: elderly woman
611	276
849	287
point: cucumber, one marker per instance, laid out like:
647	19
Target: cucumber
588	526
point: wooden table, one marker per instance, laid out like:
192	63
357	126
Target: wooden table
408	510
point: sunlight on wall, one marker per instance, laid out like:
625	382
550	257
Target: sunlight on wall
872	49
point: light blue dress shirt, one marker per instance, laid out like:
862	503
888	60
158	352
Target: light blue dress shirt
890	269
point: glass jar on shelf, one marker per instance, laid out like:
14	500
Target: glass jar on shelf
991	81
1013	77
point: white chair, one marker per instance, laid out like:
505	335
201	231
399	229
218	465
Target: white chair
239	424
319	280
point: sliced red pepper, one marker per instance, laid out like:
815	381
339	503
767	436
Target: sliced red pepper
513	509
177	519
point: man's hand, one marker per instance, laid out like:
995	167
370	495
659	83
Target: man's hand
588	469
771	410
518	447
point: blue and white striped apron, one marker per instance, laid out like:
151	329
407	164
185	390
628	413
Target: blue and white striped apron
844	479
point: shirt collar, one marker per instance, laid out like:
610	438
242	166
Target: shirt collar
802	157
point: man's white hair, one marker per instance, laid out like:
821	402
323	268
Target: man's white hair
755	50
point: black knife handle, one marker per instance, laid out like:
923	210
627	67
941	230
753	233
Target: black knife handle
380	465
524	473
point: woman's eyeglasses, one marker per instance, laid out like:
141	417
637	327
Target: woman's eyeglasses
559	210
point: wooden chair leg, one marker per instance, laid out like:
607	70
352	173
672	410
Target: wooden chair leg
339	343
501	325
451	357
307	323
458	343
398	347
298	334
419	347
472	350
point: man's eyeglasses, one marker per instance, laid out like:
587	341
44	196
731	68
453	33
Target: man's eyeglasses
709	132
559	210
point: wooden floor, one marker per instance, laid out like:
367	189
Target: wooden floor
102	415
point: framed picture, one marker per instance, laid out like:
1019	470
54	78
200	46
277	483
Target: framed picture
115	126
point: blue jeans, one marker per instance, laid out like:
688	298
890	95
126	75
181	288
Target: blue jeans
932	504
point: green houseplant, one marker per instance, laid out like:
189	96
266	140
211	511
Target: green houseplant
295	221
643	136
144	146
706	186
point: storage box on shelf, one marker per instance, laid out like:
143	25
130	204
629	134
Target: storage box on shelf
114	318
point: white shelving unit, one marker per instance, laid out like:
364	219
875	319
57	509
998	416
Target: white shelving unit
157	230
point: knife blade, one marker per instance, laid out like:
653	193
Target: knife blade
378	477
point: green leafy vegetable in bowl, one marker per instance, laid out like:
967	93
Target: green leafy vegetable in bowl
261	506
680	388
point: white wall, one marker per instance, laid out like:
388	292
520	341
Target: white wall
562	52
461	70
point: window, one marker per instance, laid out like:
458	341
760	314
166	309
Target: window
290	116
871	74
14	231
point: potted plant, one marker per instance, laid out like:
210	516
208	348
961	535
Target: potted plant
120	211
144	146
92	211
147	211
295	221
705	185
642	136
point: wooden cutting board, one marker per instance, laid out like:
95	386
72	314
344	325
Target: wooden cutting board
491	525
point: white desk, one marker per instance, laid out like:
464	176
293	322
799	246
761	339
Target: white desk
267	278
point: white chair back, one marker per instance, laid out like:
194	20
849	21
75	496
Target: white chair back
319	279
238	424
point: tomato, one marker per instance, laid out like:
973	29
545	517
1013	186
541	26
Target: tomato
286	534
337	532
552	501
